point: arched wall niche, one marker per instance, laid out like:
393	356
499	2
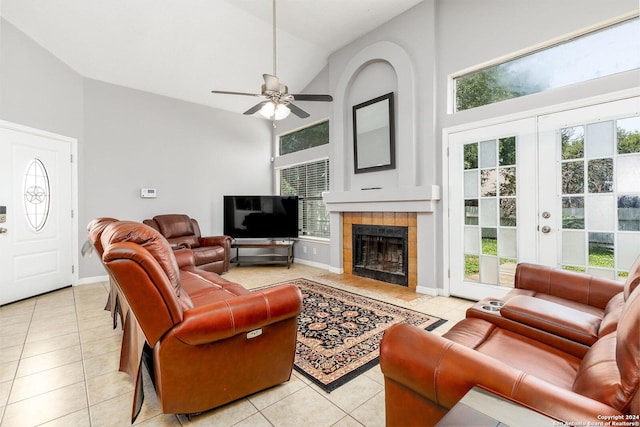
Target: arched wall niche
377	69
373	79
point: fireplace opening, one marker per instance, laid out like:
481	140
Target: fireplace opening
381	252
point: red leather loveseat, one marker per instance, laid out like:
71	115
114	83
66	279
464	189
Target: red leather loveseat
211	341
211	253
516	354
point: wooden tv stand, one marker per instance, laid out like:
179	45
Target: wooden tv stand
280	252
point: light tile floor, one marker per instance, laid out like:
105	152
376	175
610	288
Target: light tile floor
59	364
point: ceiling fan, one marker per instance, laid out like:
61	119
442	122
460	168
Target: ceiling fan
277	103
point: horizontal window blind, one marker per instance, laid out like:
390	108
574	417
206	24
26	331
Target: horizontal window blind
308	181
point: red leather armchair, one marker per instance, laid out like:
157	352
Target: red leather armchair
426	375
212	340
211	253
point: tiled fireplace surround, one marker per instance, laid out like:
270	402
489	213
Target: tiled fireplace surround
400	219
413	207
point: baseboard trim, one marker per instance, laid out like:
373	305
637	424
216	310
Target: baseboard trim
311	263
91	280
427	291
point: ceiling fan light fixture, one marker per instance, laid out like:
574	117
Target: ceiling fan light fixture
273	111
277	104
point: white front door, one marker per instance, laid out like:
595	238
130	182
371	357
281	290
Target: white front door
36	226
561	190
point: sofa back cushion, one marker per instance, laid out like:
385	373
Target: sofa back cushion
95	229
579	287
612	314
633	279
178	229
610	371
151	240
174	225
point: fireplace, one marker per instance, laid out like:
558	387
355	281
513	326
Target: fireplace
404	206
381	252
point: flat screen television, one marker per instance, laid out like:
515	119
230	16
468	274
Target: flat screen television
260	217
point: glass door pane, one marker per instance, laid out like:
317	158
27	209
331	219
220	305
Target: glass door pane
492	212
597	181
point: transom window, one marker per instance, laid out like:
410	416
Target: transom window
309	137
609	51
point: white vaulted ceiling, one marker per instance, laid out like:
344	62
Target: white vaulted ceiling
185	48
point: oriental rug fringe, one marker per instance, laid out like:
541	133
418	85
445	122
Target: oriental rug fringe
339	332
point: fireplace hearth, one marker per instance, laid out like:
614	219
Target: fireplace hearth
381	252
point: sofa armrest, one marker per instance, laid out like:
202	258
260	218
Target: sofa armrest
570	285
224	241
442	372
556	318
244	313
184	257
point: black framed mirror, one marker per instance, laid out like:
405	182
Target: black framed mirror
374	135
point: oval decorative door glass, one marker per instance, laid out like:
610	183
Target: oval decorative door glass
36	195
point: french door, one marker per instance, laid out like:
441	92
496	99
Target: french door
36	226
561	190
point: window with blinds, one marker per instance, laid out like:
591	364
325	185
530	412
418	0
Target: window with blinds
308	181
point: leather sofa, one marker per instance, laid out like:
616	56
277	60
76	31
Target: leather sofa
590	306
426	375
211	253
210	341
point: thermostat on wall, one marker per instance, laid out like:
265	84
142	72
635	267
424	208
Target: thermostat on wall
148	193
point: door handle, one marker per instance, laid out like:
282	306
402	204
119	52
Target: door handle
546	229
3	230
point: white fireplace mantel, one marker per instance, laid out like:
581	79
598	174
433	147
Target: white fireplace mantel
401	199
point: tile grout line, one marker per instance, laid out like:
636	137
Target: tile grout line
84	369
15	373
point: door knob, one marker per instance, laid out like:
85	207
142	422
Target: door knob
545	229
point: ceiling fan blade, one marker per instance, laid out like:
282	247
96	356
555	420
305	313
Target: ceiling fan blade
310	97
298	111
272	83
226	92
255	108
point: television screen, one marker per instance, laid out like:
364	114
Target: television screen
261	216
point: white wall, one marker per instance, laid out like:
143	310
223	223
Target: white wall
128	139
36	88
191	154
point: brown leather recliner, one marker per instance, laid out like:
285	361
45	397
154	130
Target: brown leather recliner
212	340
566	309
211	253
426	375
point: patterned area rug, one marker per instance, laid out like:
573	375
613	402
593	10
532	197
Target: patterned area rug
339	332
